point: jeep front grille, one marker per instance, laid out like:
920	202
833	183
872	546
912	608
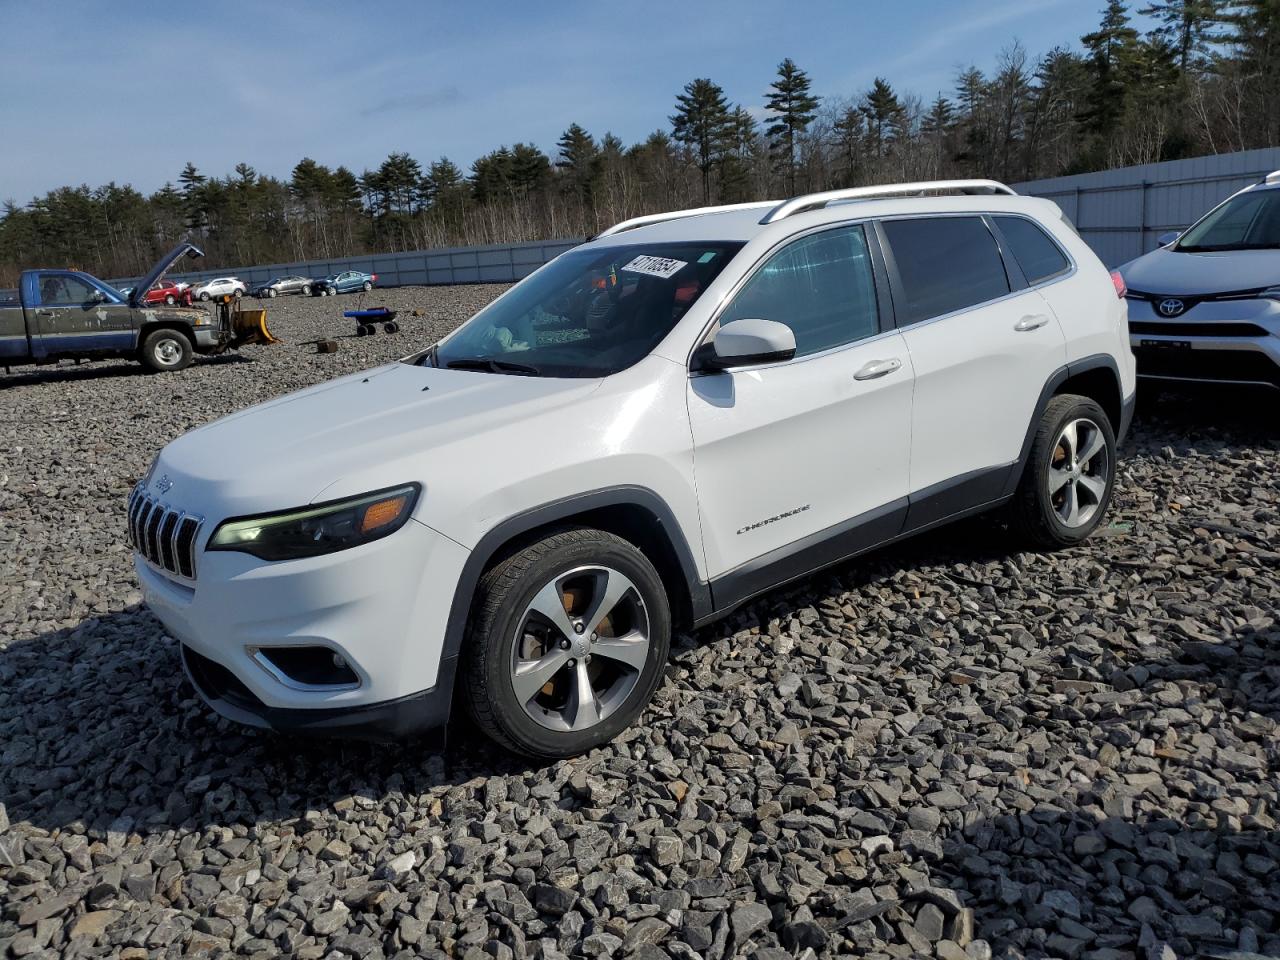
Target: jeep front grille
164	535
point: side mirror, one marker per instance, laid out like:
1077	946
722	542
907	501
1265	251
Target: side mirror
98	297
1167	238
742	343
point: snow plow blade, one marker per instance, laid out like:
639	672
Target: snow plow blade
250	326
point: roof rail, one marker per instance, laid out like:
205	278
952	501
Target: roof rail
815	201
647	219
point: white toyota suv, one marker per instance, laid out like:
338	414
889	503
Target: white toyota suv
650	430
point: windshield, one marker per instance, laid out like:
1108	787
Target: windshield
589	313
1250	221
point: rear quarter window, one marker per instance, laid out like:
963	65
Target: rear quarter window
944	264
1038	256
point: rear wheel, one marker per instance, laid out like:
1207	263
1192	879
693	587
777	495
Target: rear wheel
239	294
306	290
1067	482
204	294
271	292
568	644
367	286
170	299
165	351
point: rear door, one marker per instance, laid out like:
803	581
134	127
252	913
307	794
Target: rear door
982	343
802	462
72	314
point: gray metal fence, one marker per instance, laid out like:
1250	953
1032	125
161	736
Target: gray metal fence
497	263
1121	212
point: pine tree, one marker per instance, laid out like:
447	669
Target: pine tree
1187	24
883	110
701	124
580	159
849	133
792	108
1113	48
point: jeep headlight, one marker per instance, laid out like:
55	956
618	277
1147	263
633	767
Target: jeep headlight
322	528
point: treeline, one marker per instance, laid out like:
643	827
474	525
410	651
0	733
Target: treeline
1203	80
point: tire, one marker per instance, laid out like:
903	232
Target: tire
204	294
306	290
1069	472
367	286
238	294
165	351
271	292
333	291
579	565
170	299
390	327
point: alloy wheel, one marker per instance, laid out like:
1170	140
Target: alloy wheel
581	647
1079	471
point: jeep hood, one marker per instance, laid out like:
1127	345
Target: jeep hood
162	267
298	448
1177	273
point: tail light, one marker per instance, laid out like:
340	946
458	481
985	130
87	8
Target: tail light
1117	281
374	276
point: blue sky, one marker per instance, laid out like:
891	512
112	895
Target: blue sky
126	91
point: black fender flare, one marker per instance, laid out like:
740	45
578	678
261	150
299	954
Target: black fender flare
549	513
1098	361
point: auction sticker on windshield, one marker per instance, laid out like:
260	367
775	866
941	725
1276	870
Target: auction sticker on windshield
663	267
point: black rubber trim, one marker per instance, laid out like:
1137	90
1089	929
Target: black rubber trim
389	720
805	556
950	497
1126	417
512	527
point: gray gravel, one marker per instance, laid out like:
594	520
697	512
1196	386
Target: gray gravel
951	748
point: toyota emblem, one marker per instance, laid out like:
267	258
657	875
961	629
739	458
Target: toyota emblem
1171	307
164	484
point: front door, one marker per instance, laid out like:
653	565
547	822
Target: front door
801	462
73	315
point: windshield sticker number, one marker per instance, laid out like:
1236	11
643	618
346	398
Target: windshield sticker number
663	267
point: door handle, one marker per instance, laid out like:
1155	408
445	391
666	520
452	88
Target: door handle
45	313
877	368
1031	322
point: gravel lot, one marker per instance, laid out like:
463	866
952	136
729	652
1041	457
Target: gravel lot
950	748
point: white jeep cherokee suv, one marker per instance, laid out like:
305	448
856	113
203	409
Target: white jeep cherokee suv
650	430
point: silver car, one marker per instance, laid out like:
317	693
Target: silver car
1206	305
283	285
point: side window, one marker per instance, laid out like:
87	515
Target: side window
945	264
61	290
1037	255
821	286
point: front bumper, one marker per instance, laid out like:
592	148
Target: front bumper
1223	341
382	607
389	720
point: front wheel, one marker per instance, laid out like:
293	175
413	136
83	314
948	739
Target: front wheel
306	291
1067	482
568	643
170	299
165	351
271	293
204	295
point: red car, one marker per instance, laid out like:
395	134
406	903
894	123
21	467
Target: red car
169	293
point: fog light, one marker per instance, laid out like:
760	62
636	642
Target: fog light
307	668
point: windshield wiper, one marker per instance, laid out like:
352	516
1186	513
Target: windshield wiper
492	365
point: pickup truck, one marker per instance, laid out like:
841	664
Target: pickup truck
67	314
